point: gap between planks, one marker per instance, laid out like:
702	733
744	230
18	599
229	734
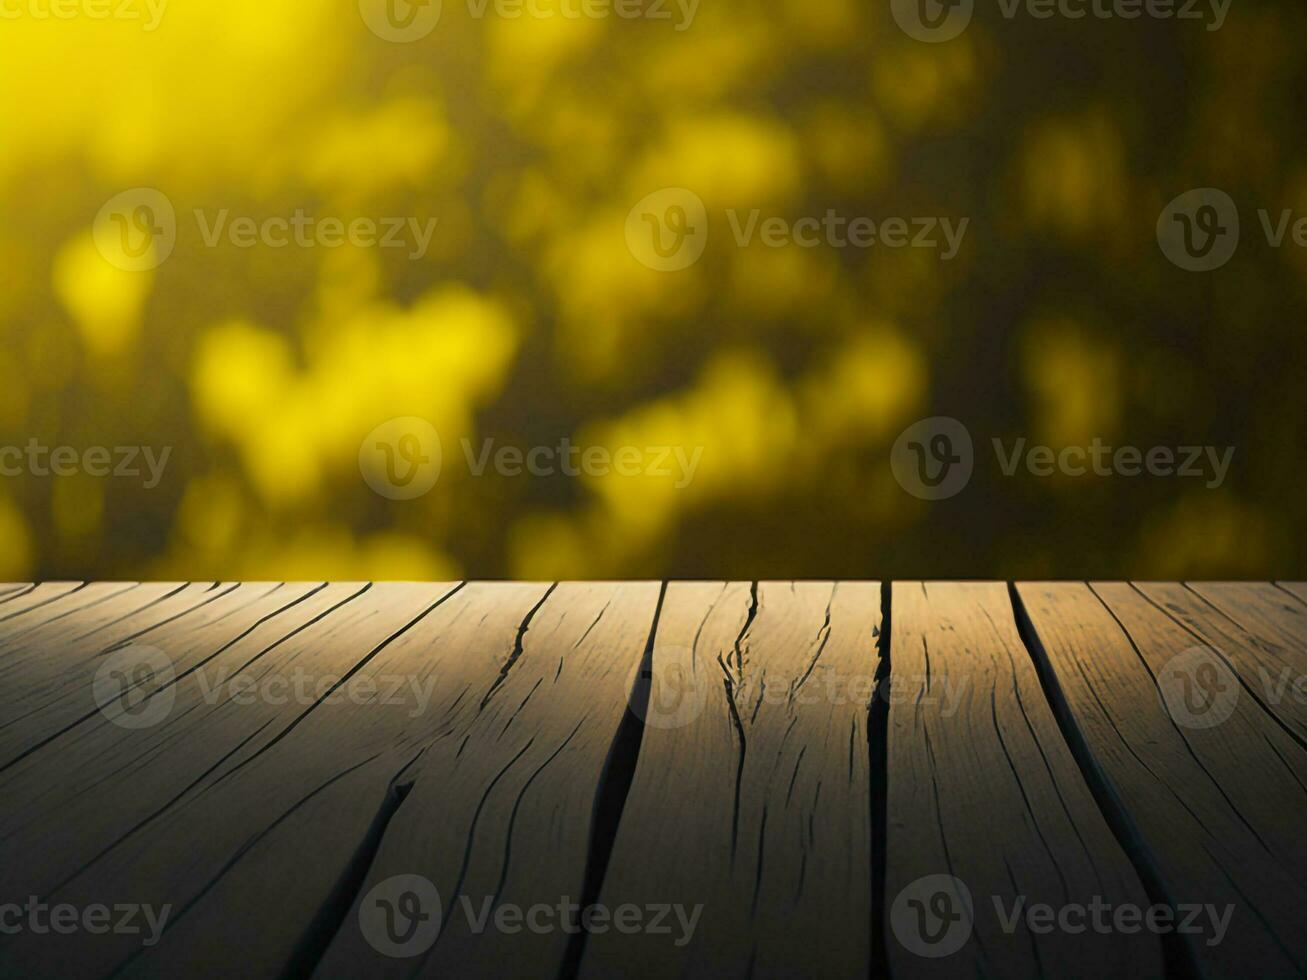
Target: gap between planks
630	744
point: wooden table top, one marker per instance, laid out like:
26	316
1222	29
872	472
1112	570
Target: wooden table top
642	779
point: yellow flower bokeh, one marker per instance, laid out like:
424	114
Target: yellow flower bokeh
497	160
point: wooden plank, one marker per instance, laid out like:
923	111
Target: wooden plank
1271	614
38	598
11	590
75	619
79	615
50	677
1296	589
335	786
73	782
68	649
1268	618
1262	765
1202	781
86	605
503	810
118	781
280	826
109	776
987	807
749	816
271	845
46	678
1258	631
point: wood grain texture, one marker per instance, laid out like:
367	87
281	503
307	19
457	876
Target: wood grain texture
983	789
502	811
1259	631
1202	778
11	590
1296	589
1257	763
86	611
37	597
41	693
98	607
58	606
187	798
750	810
282	768
96	781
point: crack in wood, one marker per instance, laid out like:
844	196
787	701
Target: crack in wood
1178	959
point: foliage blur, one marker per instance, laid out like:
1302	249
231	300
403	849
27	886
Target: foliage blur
529	321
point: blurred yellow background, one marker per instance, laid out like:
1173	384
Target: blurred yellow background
527	320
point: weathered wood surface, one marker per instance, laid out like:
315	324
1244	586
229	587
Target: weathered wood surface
99	781
25	598
735	779
753	779
987	807
1297	589
505	797
1206	781
50	693
1260	631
